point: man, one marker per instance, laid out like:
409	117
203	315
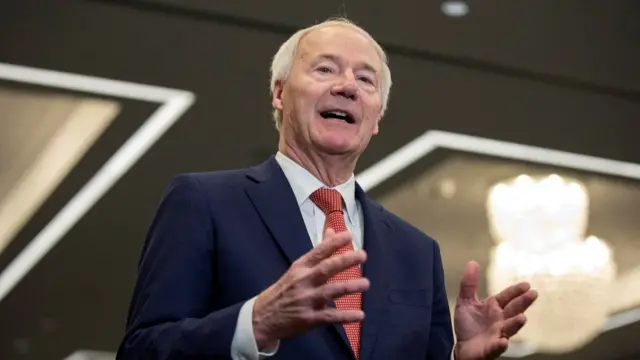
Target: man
290	259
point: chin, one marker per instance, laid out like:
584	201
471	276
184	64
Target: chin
336	147
335	142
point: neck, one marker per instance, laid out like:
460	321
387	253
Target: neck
331	170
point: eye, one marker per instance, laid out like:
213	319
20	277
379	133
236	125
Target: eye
324	69
366	79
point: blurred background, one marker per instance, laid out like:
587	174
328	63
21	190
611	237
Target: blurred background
511	137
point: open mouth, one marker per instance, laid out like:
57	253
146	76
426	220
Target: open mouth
338	115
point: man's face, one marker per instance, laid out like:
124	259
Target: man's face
331	100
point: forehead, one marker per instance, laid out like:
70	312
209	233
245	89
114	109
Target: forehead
342	41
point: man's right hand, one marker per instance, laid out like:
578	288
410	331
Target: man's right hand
299	300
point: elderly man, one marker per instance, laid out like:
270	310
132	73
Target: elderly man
290	259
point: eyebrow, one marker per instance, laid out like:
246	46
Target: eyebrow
336	59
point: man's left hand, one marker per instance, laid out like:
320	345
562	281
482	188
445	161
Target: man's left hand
483	328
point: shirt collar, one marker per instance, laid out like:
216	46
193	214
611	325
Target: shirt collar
303	184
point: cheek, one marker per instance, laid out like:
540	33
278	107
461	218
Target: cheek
372	115
372	105
304	89
304	101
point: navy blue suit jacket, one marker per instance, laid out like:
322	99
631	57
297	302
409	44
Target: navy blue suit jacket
220	238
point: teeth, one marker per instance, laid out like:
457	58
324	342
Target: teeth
337	115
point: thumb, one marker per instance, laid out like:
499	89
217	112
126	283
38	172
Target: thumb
469	282
329	232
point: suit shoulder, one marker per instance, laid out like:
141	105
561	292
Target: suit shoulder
205	187
210	180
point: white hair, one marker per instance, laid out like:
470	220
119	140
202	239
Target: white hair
284	58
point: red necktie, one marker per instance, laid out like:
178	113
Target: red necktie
330	202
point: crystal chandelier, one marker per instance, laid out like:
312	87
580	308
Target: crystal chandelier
539	226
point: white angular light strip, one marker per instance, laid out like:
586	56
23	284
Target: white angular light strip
173	104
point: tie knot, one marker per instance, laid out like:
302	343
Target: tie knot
328	200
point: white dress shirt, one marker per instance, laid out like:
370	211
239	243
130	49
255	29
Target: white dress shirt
303	184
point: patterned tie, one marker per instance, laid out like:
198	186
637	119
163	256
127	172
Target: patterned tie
330	202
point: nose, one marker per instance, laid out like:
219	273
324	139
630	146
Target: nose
346	88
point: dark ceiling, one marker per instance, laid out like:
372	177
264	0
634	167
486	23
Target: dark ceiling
554	74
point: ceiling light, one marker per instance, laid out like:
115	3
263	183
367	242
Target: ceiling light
539	225
538	215
447	188
454	8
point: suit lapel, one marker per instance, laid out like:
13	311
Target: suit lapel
273	199
276	204
376	231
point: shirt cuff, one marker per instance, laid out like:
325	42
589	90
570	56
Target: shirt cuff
243	345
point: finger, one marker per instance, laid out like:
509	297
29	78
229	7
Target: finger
512	292
329	244
513	325
469	282
497	347
335	264
334	316
520	304
494	311
331	291
328	232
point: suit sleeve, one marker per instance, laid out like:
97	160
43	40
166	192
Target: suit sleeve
441	335
171	315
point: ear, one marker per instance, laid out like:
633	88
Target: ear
276	100
376	127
